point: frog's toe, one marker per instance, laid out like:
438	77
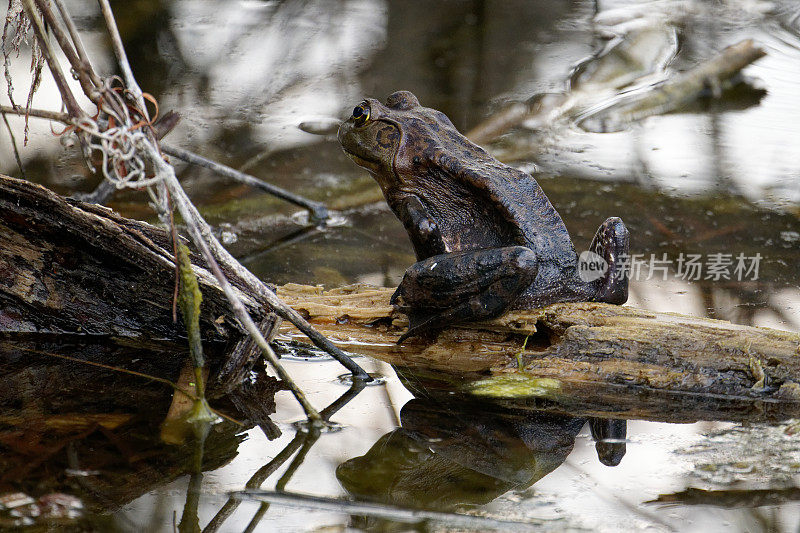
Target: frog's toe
479	307
610	435
612	243
396	296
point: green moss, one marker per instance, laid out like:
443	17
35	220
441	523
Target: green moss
515	386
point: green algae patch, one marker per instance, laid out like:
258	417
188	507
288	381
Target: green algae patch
515	386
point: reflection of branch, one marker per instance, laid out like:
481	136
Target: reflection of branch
389	512
309	441
256	481
601	110
730	499
300	438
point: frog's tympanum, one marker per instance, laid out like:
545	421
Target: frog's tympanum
487	239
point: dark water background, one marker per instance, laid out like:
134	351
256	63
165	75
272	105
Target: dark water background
720	176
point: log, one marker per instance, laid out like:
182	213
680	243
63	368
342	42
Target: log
70	267
75	271
583	359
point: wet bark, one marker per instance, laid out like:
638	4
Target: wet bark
73	267
69	268
591	359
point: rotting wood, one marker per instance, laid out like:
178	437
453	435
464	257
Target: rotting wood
72	268
599	359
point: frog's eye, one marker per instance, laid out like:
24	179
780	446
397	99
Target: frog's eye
361	114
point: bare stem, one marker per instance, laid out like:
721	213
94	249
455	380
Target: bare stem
201	240
66	46
38	113
73	108
122	57
76	40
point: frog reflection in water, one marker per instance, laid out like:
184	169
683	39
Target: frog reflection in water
486	237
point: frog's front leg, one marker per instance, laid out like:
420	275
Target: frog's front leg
422	228
463	286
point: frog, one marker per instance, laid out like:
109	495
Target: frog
486	237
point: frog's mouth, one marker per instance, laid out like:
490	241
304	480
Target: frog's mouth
368	163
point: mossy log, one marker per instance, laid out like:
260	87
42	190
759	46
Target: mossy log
592	359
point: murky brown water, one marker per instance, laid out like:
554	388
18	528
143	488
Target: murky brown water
718	177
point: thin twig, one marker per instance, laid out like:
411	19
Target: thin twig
261	475
122	57
13	143
76	40
317	210
66	46
37	113
70	102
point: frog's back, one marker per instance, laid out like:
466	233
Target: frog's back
525	214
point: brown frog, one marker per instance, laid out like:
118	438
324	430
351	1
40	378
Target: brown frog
486	237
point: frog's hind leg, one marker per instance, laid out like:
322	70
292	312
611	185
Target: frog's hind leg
612	243
463	286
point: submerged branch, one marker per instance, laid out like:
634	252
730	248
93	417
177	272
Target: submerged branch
317	210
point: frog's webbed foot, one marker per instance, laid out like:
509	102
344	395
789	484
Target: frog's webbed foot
609	435
612	243
463	286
